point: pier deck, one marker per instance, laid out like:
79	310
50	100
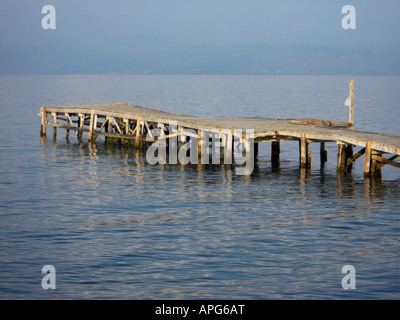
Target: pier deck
132	123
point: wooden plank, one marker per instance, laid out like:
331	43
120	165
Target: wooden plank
385	160
355	157
381	164
148	130
340	123
116	125
69	118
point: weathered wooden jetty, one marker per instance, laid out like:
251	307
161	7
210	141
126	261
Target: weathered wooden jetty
131	124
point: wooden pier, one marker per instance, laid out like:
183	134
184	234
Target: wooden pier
131	124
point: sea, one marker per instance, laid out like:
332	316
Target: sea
113	226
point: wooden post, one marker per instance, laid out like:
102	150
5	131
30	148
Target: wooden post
256	144
351	107
54	127
137	138
90	138
109	129
341	157
303	150
367	160
375	168
162	152
323	153
44	122
348	154
81	123
181	140
94	136
126	131
275	152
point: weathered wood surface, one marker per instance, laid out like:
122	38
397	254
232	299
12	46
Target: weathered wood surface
265	129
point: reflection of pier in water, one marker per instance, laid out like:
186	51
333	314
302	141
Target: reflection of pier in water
131	124
132	163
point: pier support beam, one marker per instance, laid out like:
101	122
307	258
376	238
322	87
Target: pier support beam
91	124
341	157
54	128
43	127
126	124
367	159
109	128
305	155
348	154
375	168
275	152
256	145
81	123
137	138
323	153
345	152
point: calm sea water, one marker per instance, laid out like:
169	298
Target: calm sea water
116	227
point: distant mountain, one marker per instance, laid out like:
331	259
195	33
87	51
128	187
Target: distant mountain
234	59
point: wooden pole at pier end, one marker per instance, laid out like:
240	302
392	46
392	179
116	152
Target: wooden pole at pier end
351	107
44	122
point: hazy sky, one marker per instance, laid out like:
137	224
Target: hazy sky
158	25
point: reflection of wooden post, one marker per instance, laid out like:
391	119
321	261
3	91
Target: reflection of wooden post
351	107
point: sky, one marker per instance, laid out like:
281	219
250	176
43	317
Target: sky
202	36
